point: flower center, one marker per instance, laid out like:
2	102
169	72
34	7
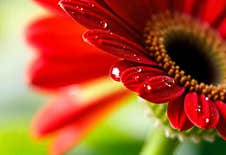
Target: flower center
190	52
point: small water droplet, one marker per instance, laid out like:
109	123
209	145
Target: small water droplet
138	59
137	78
79	8
147	88
199	108
92	5
169	82
103	24
139	70
124	47
207	120
96	37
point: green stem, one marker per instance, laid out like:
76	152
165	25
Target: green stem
158	144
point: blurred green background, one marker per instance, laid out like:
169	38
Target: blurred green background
122	134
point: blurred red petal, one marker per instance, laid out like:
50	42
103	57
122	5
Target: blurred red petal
68	110
177	117
71	135
134	77
117	69
160	89
59	38
50	74
118	46
201	111
222	122
94	16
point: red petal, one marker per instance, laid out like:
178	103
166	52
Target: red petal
161	6
177	5
188	6
94	16
59	38
201	111
222	28
211	10
69	110
117	69
72	134
66	138
177	117
118	46
51	5
160	89
136	13
54	74
134	77
221	127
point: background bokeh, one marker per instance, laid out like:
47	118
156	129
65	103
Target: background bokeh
122	134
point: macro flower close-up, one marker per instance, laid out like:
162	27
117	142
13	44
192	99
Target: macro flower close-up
170	53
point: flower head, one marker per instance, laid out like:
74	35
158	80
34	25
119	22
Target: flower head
173	51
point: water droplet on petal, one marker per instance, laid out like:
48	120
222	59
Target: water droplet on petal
137	78
207	120
199	108
115	74
92	5
147	88
103	24
169	82
139	70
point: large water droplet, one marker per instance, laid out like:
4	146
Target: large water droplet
169	82
115	74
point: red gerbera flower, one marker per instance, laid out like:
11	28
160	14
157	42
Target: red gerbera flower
173	52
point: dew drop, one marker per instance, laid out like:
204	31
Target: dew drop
139	70
92	5
147	88
199	108
207	120
103	24
115	74
137	78
138	59
169	82
77	7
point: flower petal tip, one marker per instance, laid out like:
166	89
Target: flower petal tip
201	111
